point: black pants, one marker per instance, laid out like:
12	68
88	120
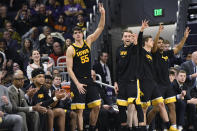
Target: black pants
191	111
108	119
180	112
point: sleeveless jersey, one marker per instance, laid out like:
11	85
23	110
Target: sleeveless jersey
82	61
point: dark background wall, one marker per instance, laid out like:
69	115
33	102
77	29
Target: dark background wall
133	11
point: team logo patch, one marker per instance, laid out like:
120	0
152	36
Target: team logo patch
165	58
123	53
149	57
141	93
40	96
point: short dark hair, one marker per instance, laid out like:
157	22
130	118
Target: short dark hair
161	38
77	28
145	39
126	30
171	72
101	54
181	71
48	77
57	75
36	72
166	42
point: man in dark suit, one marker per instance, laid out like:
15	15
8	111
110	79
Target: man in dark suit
20	106
10	121
108	117
191	71
102	69
184	101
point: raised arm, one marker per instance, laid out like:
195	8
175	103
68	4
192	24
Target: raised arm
140	35
93	37
157	38
182	42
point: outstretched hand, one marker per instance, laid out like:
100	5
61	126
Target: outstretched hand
101	8
161	27
144	25
187	31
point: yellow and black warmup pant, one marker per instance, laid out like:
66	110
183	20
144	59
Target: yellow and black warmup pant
167	93
150	93
129	93
91	97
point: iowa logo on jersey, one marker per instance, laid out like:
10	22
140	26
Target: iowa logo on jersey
83	52
123	53
165	58
149	57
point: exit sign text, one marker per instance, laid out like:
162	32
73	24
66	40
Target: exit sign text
158	12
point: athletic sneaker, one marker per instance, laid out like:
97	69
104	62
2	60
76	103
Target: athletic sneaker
173	129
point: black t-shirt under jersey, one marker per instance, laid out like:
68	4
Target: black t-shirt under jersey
161	65
127	61
146	69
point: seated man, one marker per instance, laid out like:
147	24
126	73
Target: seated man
10	121
183	103
64	103
20	105
41	96
108	118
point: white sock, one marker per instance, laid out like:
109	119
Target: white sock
173	126
180	128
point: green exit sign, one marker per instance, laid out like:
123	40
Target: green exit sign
158	12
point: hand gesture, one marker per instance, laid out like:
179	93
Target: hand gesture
81	89
183	93
161	27
49	65
40	108
59	95
4	99
144	25
67	95
194	75
193	101
116	87
186	33
31	91
37	7
101	8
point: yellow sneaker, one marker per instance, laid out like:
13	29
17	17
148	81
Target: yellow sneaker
172	129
